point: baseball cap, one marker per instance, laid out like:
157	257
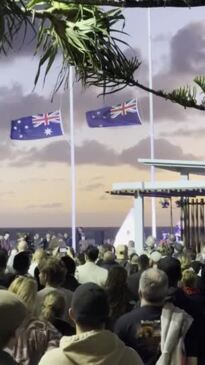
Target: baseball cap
90	304
121	252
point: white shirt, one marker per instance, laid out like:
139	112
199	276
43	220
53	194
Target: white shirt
90	272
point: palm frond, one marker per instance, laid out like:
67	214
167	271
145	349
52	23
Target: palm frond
12	19
83	36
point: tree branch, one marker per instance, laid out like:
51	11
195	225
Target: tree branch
169	96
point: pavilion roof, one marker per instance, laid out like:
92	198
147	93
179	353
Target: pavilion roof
161	189
181	166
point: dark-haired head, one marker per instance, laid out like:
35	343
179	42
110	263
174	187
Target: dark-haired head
172	267
91	253
69	264
21	262
89	308
143	262
117	278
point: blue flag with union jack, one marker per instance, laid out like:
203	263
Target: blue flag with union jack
37	126
114	116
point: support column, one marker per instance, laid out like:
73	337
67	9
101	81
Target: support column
139	223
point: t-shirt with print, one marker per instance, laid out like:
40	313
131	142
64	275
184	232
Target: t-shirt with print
141	330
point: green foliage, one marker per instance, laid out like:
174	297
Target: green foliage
185	96
12	19
83	36
200	81
87	38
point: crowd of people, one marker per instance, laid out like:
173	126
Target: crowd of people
104	305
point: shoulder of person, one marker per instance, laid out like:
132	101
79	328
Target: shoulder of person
122	323
132	357
54	357
39	329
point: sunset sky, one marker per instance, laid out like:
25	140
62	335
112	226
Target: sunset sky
35	187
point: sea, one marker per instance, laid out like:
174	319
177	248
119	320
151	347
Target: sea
91	233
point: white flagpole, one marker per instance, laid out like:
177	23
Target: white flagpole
72	159
152	171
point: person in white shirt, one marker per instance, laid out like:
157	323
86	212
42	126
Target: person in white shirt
90	272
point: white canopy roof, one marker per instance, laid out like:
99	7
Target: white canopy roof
181	166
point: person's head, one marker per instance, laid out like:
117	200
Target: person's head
196	266
101	251
133	264
89	308
143	262
22	245
53	306
172	268
6	236
48	237
150	242
185	262
25	289
91	253
39	255
12	314
117	278
21	263
178	248
121	252
69	264
153	287
191	254
189	279
80	259
171	238
52	272
134	258
155	257
108	257
131	244
36	236
3	260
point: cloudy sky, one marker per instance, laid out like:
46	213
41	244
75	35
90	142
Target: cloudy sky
35	185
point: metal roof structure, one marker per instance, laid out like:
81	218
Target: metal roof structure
181	188
161	189
180	166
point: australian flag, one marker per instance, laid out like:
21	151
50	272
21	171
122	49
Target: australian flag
37	126
114	116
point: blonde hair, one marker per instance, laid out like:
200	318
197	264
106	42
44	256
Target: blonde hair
189	278
26	289
53	306
38	255
185	262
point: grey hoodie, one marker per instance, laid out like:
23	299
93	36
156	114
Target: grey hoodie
93	348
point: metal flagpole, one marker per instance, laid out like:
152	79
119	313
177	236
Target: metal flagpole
152	171
72	159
